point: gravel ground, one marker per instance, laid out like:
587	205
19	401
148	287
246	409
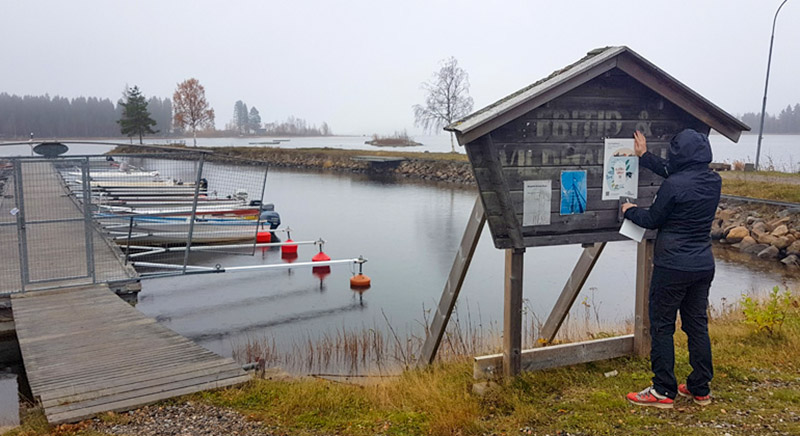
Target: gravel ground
185	419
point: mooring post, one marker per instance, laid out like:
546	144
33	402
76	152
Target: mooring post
512	312
641	324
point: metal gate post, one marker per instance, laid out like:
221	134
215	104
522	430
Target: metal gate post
22	240
194	210
87	220
258	220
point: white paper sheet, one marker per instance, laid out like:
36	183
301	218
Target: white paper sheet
536	202
631	230
620	169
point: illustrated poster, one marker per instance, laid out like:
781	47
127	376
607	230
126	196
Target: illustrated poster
536	202
620	169
573	192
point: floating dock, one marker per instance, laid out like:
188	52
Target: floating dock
86	351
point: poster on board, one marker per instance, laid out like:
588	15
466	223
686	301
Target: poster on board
620	169
536	199
573	192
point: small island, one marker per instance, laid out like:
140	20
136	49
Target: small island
398	139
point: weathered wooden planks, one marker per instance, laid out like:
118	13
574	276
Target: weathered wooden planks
557	355
56	251
86	352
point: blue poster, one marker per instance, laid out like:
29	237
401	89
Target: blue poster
573	192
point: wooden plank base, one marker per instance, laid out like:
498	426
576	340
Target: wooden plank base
86	352
490	366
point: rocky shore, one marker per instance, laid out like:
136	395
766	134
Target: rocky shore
438	167
765	232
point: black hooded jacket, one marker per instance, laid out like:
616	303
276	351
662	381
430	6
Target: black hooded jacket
685	205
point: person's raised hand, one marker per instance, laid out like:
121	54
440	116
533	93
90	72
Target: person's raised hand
626	206
639	143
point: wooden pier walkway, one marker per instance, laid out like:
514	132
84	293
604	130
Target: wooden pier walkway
86	352
56	251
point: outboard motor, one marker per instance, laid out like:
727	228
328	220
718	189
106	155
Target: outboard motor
268	215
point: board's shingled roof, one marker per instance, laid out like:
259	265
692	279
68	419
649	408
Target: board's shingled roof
593	59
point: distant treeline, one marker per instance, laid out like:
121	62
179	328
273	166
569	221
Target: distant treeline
60	117
81	117
787	121
296	127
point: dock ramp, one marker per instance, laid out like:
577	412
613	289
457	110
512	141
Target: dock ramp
86	352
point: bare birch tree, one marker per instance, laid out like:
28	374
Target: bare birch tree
447	99
191	107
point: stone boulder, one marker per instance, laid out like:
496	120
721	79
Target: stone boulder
781	230
794	248
726	214
770	252
755	249
760	227
791	260
781	243
736	234
779	222
765	238
747	241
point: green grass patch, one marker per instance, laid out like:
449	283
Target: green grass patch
768	190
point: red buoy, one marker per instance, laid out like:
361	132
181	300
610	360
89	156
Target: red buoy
288	248
360	281
320	257
289	257
321	272
263	237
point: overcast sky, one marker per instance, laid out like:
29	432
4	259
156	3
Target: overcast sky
358	64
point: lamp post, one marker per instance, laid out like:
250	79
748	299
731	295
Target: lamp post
766	85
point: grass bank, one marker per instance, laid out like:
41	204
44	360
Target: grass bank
770	185
756	392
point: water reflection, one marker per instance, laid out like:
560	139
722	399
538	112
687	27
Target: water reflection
409	232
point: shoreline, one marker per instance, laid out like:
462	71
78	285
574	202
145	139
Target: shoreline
763	232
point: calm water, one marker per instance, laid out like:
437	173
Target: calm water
781	150
410	233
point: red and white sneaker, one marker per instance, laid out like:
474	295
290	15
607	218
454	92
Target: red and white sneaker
704	400
649	397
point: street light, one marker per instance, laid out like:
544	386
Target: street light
766	84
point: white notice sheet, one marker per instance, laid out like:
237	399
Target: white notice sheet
620	169
536	202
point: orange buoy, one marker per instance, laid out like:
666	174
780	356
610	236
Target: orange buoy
263	237
285	249
320	257
360	281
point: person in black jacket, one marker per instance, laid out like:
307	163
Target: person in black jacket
682	211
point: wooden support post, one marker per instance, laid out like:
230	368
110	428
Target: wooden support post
512	312
644	272
469	241
570	292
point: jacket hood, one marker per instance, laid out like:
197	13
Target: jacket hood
687	149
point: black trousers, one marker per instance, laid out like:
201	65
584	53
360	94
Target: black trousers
670	291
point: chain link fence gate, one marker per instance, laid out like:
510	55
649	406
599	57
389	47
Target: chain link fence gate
84	219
